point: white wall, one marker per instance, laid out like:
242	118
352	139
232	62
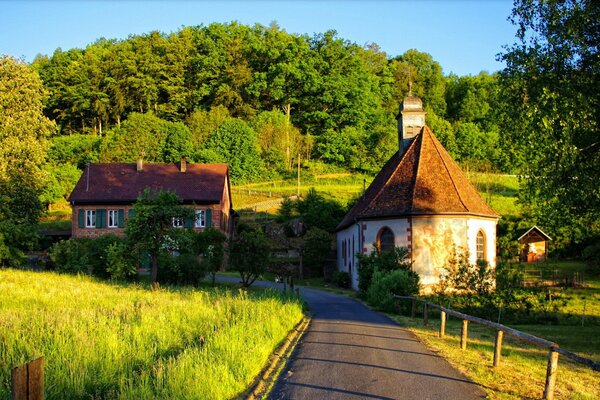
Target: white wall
347	263
489	229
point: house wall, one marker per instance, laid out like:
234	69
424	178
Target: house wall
348	244
488	226
217	219
361	238
431	240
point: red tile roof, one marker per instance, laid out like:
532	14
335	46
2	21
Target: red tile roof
122	183
425	180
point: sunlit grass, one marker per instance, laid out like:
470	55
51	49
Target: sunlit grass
111	341
522	370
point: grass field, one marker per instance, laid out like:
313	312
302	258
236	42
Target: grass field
522	370
111	341
500	191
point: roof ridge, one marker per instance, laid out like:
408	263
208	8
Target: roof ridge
448	171
416	175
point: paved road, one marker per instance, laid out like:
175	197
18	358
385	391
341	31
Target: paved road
351	352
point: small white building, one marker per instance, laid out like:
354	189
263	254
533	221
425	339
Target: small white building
420	200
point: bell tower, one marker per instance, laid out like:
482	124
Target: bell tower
411	119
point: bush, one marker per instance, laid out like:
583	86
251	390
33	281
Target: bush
317	248
342	279
380	261
120	263
182	269
462	276
385	285
91	256
591	255
70	256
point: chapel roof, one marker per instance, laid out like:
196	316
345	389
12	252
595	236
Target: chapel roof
122	183
424	180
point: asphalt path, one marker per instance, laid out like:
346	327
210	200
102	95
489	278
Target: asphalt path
352	352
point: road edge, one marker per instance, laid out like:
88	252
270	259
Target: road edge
266	379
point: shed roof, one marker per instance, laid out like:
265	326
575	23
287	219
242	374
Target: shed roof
122	183
424	180
534	229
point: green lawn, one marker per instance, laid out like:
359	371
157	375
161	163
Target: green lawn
103	340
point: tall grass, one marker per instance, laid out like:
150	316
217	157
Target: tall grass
110	341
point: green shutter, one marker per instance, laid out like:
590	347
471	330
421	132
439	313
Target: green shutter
131	213
208	218
81	218
100	218
121	221
188	223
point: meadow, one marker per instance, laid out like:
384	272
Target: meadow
102	340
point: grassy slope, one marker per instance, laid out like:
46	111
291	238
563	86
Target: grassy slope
110	341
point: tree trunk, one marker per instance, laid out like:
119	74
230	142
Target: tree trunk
287	108
154	267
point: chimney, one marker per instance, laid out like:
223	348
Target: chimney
183	165
411	120
140	165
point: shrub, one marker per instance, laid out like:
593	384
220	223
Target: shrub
591	255
70	256
317	247
120	263
181	269
380	261
462	276
211	245
249	255
342	279
385	285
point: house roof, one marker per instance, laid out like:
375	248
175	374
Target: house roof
534	229
123	184
424	180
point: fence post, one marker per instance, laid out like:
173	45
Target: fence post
442	323
27	381
414	308
498	347
425	314
463	334
551	374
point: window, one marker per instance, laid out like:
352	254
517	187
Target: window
177	222
90	218
113	218
386	242
200	221
480	246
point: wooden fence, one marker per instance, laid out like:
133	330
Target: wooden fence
553	349
27	381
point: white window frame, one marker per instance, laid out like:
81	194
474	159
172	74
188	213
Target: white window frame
90	218
113	218
177	222
200	220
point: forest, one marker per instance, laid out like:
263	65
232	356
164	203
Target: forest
266	101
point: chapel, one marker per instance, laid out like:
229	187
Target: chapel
420	200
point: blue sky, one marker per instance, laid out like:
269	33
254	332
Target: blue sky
463	36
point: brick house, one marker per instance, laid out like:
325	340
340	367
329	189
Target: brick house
104	196
420	200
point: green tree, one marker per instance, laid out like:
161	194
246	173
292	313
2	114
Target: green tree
249	255
23	145
551	87
317	249
236	144
151	230
210	244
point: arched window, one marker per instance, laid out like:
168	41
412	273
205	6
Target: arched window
481	246
385	243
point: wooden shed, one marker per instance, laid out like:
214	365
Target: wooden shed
534	245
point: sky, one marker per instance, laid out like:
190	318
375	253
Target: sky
463	36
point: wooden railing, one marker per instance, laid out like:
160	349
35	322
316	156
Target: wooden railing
553	349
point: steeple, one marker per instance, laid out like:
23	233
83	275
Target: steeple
411	119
